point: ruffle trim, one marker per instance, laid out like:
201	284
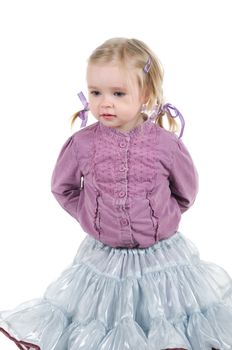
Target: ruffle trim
201	330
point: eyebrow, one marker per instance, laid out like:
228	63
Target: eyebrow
112	87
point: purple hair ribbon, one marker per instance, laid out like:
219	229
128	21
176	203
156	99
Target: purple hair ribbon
147	66
170	110
83	114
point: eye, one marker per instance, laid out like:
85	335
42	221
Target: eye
119	93
95	93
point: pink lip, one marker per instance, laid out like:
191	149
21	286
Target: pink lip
108	116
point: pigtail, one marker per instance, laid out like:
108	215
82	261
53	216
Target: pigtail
151	82
172	124
74	117
83	114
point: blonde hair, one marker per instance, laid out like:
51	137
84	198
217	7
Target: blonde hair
135	53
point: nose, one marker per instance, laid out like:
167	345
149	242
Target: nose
106	101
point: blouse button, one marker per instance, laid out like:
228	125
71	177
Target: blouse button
122	144
122	167
124	222
121	194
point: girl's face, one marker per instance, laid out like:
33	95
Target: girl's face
114	96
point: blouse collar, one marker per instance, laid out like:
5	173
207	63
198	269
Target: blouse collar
143	127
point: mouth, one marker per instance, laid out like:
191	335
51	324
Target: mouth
107	116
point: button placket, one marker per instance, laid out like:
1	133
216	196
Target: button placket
121	184
121	191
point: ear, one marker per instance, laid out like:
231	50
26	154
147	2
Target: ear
145	96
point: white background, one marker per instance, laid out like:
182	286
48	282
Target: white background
44	48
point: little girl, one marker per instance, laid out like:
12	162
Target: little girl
136	282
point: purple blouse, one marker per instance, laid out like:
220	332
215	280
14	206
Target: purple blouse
126	189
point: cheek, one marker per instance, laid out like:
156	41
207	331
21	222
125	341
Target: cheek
92	104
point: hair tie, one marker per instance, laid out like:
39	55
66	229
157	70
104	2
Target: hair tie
83	114
172	111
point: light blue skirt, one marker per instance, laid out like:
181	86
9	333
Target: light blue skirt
153	298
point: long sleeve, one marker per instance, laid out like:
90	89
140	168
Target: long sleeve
183	177
66	178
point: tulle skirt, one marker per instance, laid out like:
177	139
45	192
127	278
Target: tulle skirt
152	298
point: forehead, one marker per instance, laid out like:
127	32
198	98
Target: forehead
110	75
